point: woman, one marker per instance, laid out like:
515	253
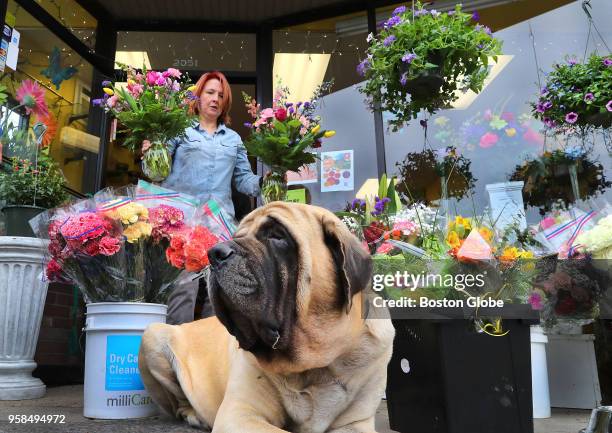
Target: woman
205	163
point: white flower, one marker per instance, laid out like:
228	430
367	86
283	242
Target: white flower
370	37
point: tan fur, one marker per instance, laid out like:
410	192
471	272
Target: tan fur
197	372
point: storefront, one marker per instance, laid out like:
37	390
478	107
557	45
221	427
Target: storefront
69	47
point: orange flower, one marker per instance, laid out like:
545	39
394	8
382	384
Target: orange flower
51	123
453	239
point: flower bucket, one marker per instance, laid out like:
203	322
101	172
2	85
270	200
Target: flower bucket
16	219
274	187
113	387
157	162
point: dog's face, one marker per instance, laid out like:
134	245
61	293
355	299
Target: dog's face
284	286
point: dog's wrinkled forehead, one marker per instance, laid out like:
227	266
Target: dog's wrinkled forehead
301	221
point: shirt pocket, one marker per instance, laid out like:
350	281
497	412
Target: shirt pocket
227	150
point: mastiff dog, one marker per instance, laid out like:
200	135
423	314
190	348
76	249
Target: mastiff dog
291	348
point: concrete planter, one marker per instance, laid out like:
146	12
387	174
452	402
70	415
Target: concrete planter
22	300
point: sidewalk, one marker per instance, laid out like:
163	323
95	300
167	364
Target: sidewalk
68	401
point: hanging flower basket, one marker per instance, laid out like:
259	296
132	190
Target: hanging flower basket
577	95
548	178
421	174
421	58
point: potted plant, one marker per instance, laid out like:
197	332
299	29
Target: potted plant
30	184
577	96
422	60
283	137
435	174
561	175
154	106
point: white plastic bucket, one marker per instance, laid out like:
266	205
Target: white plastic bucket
113	387
539	373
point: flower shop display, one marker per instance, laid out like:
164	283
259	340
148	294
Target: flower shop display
431	175
283	137
577	96
423	60
33	181
564	175
154	106
126	245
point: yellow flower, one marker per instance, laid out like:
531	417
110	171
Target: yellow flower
525	254
509	254
130	213
510	132
316	129
137	230
486	234
108	91
329	134
131	82
452	239
191	88
460	221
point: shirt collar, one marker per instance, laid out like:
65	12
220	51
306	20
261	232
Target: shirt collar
221	129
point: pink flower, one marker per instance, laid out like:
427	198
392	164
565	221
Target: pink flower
267	113
109	245
171	72
112	101
54	270
165	220
535	300
488	115
385	248
135	89
175	86
139	78
407	227
32	96
609	105
153	77
84	226
547	223
488	140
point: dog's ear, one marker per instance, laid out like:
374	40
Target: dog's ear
353	263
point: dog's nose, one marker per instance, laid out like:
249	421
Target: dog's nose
220	253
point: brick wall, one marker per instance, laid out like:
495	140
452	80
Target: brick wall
58	354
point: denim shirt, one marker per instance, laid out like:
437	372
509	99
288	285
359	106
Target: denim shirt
204	166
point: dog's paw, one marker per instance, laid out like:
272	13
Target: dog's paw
189	416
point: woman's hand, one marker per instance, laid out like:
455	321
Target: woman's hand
146	145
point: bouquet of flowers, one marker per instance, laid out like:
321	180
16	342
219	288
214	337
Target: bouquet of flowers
127	244
282	135
154	106
577	95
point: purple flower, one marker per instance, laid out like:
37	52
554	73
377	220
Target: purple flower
392	22
98	102
571	117
544	91
609	105
420	12
572	61
399	10
476	16
106	83
589	97
404	79
434	13
408	57
547	105
306	104
450	13
248	125
363	67
386	200
549	122
299	104
288	104
389	40
607	61
540	107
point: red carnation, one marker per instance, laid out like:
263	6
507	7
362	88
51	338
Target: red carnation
54	271
109	245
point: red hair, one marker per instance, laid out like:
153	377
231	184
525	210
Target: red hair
226	101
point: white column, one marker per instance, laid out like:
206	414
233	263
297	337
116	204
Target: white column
22	300
539	373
